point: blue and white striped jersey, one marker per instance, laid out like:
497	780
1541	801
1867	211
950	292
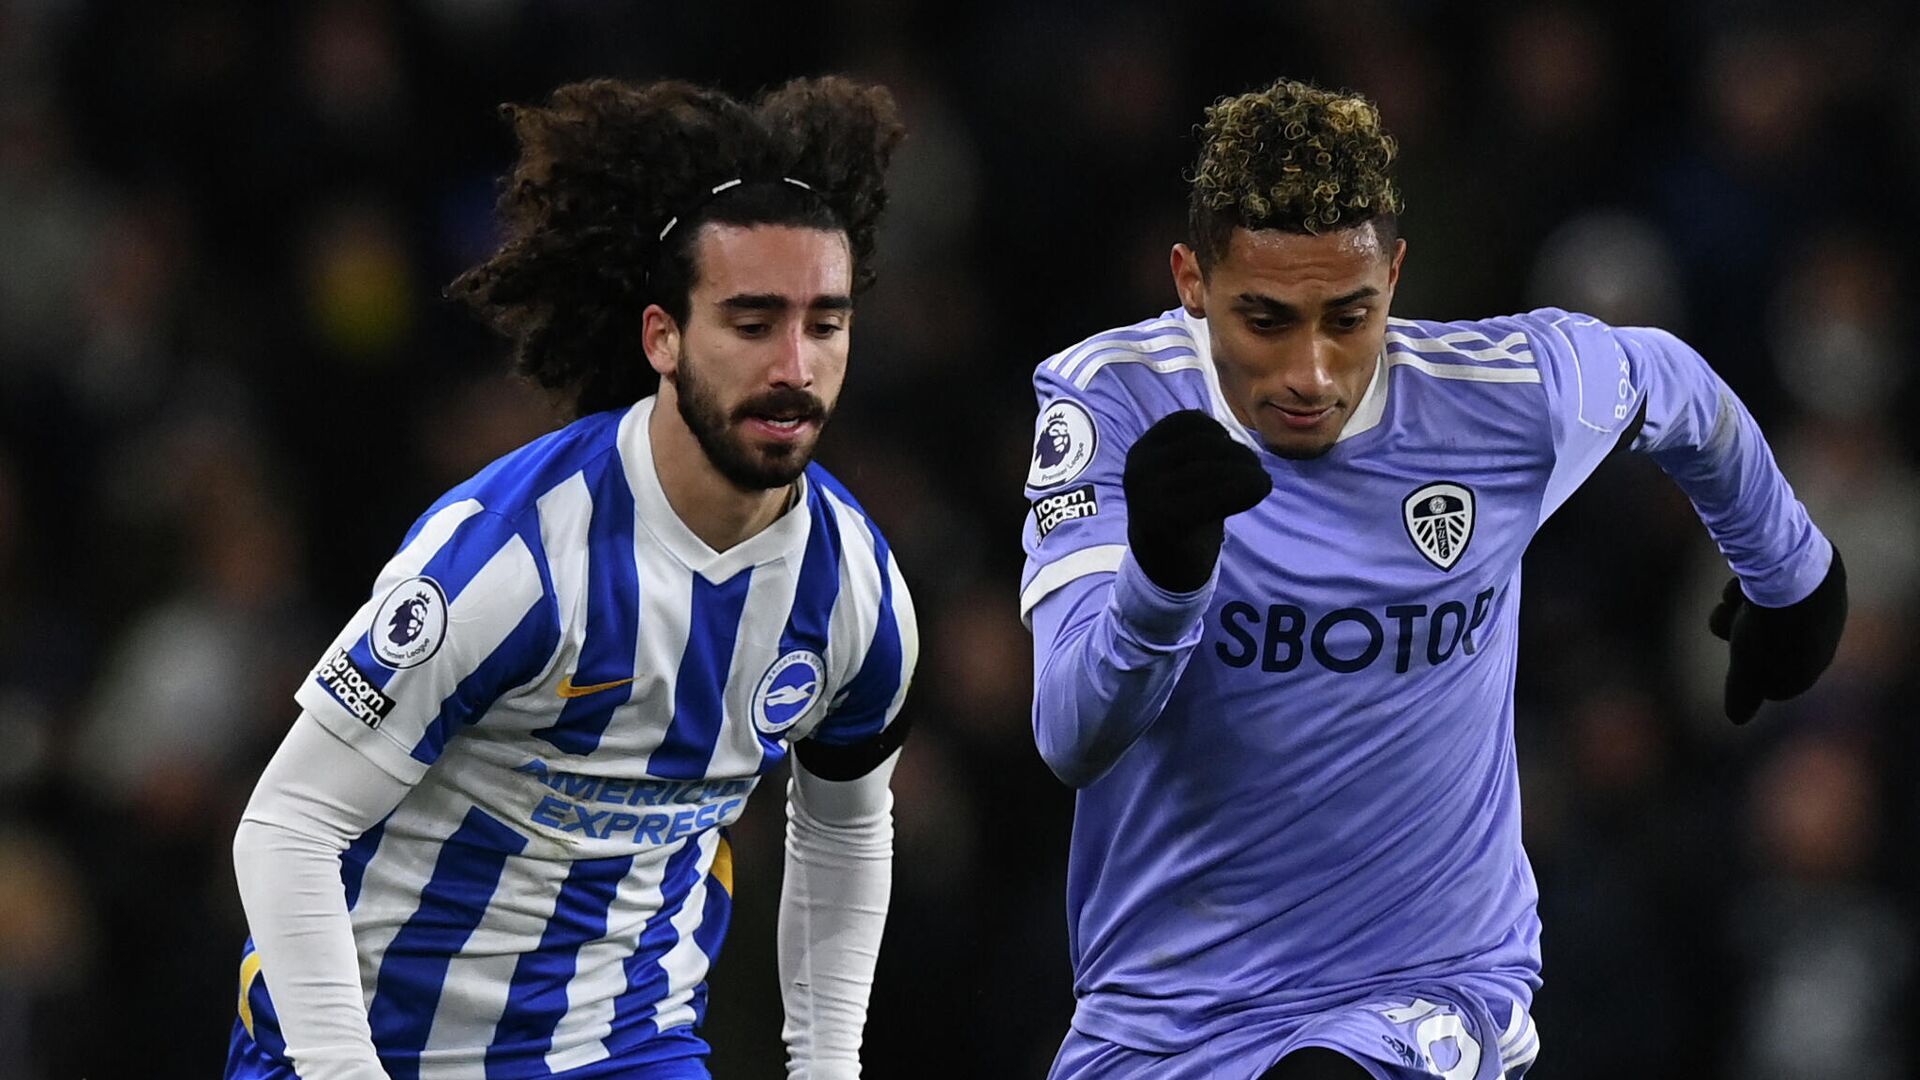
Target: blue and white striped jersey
583	694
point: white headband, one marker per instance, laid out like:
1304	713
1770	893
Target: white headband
717	189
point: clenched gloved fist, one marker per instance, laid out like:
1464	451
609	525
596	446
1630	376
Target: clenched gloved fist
1776	653
1184	477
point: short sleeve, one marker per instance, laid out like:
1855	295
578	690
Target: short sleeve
870	701
460	615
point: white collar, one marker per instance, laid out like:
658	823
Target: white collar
1373	404
786	537
1365	416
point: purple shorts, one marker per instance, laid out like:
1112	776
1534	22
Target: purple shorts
1445	1031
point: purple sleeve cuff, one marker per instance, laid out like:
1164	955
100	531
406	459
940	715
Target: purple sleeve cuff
1154	618
1795	578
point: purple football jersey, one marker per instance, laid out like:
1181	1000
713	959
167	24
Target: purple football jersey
1298	784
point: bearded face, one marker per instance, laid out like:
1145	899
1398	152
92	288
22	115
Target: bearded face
760	443
757	362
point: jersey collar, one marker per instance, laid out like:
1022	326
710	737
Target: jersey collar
787	536
1365	416
1373	404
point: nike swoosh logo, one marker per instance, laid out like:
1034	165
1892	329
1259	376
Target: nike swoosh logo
568	690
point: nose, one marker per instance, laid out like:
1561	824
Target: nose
1305	373
793	359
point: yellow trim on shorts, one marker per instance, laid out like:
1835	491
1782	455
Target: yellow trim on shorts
249	971
723	865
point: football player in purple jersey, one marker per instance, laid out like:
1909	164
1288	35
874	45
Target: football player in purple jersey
1273	579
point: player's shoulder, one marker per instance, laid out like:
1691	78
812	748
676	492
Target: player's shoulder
1477	382
1501	343
831	500
1539	348
514	483
1151	364
874	581
1543	334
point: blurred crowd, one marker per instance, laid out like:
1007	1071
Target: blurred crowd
228	383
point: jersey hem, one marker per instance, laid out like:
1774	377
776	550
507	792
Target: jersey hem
1119	1027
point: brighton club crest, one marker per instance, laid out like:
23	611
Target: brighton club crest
1440	521
788	691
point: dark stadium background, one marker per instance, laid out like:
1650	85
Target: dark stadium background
227	384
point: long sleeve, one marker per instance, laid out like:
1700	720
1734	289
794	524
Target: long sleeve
833	911
316	796
1600	378
1703	437
1107	651
1108	644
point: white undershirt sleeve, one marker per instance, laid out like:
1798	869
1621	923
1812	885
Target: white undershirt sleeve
316	797
833	909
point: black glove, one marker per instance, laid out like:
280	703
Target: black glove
1184	478
1776	653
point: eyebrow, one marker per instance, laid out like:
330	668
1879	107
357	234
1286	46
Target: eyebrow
776	302
1281	309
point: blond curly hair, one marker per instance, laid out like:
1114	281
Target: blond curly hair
1291	156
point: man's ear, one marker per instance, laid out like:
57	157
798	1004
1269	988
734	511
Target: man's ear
660	337
1399	256
1188	280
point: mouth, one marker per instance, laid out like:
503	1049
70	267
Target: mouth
1300	419
782	428
786	416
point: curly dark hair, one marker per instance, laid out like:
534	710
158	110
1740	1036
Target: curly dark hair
606	164
1294	157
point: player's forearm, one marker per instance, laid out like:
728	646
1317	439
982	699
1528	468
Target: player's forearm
1107	653
297	911
315	797
1707	441
833	912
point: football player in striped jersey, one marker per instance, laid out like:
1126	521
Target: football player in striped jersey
494	842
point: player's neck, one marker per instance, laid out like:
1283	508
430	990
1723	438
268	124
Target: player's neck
710	506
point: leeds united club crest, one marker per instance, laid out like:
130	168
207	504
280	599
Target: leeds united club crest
1440	520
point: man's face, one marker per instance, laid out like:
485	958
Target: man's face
762	357
1297	324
